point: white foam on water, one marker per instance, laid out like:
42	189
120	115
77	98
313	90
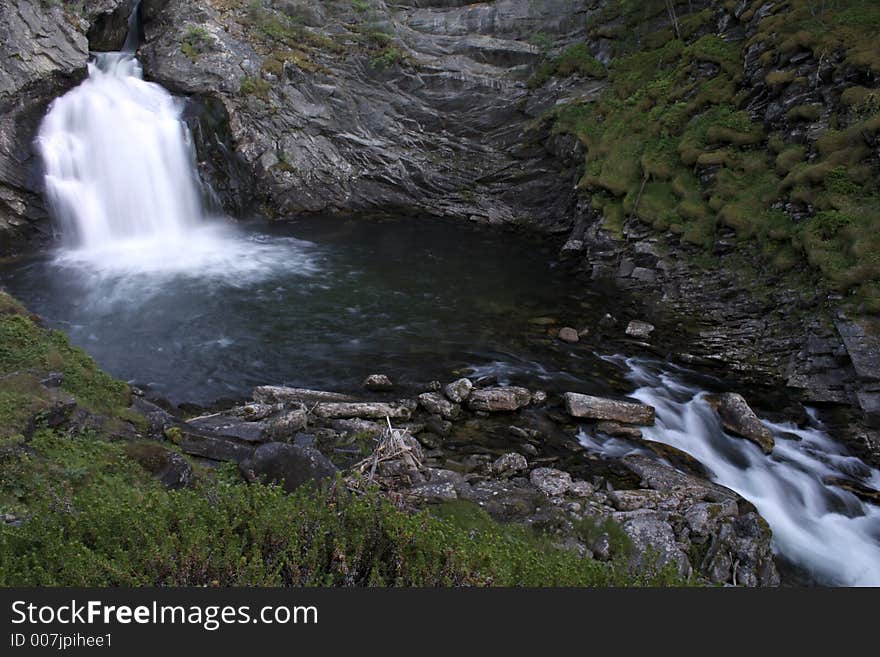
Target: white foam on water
825	530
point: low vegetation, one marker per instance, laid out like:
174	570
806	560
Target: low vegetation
93	517
671	143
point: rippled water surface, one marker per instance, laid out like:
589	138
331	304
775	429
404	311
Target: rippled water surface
320	303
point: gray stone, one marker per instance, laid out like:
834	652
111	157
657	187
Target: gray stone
285	395
580	488
550	481
639	329
654	545
458	391
568	334
286	464
599	408
434	493
509	465
435	403
285	426
738	418
499	399
378	383
368	410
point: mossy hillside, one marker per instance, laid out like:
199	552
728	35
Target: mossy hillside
28	353
668	143
96	518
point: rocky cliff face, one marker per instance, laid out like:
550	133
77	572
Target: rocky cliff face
43	52
348	107
714	137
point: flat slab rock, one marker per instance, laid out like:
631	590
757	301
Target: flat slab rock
600	408
366	410
285	395
499	399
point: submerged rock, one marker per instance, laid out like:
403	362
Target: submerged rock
288	465
599	408
618	430
499	399
738	418
864	493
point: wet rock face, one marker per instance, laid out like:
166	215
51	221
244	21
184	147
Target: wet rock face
441	126
598	408
738	418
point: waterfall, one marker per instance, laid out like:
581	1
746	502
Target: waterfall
118	159
121	183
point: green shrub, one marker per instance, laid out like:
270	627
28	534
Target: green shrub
255	535
196	40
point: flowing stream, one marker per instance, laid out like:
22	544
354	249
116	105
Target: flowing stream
826	531
196	308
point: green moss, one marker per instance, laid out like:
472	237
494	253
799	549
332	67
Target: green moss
575	60
665	113
196	40
255	86
31	349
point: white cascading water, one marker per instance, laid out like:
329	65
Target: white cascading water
121	180
825	530
117	158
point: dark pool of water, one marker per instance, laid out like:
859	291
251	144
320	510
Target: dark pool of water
321	303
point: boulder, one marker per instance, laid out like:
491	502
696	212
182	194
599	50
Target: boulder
580	488
550	481
568	334
367	410
458	391
378	383
509	465
437	404
600	408
654	545
639	329
288	465
499	399
738	418
230	425
256	411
